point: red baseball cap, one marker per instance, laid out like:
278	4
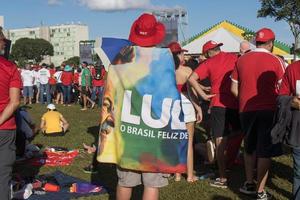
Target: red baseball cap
146	31
264	35
210	45
176	48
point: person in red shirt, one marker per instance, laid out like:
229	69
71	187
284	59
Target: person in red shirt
10	85
76	84
223	104
255	82
67	81
52	82
98	74
290	86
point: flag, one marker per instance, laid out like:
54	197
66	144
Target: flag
108	48
142	126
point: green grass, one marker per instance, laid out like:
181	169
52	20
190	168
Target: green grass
83	128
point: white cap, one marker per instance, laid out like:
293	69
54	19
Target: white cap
51	106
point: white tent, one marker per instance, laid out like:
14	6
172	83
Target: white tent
231	41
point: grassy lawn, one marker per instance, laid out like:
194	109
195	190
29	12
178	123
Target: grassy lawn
83	128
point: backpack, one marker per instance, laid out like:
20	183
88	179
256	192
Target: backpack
98	73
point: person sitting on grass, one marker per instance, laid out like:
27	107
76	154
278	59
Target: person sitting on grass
53	123
26	130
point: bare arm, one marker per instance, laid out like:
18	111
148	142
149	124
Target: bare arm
14	102
205	88
42	125
64	121
194	99
193	81
234	88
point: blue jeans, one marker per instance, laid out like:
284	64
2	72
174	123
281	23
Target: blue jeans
97	92
45	88
67	89
296	182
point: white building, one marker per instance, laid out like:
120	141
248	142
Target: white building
65	39
1	21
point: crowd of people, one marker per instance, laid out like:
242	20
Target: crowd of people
242	90
65	84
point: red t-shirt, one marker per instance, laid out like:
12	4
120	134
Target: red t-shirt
290	84
52	80
9	78
76	78
258	73
67	78
218	69
100	82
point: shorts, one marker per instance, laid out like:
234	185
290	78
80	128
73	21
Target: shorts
28	91
52	88
59	88
222	120
129	178
257	126
84	90
55	134
188	110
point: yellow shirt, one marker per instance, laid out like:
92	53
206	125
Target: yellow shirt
52	121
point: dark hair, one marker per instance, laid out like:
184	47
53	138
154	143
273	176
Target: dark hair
84	62
217	48
263	43
51	66
192	63
176	60
78	69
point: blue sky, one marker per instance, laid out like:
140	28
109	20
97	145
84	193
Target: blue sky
201	14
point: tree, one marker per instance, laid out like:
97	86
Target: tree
249	36
287	10
73	61
27	49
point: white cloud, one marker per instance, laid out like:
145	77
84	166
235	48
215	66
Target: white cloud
54	2
114	5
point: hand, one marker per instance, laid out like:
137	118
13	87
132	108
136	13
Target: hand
206	89
296	103
199	115
89	149
207	97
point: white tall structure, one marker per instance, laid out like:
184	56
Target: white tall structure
65	39
175	21
1	21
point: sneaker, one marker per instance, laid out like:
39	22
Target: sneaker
263	196
248	188
218	183
89	170
210	151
